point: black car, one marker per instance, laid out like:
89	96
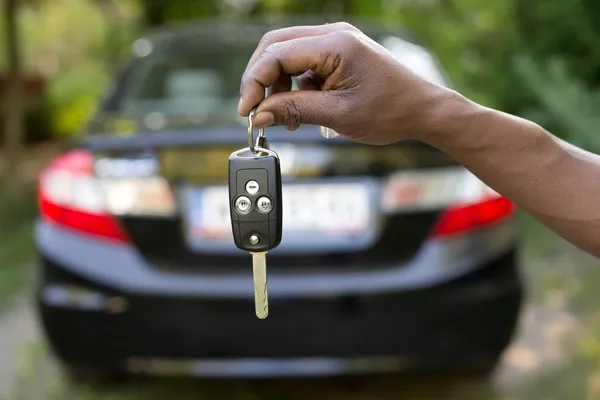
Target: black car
392	257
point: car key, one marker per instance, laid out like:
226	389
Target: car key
328	133
255	207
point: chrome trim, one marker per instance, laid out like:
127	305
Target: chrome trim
271	368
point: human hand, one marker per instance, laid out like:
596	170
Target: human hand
347	82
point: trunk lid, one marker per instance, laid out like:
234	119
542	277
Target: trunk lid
333	198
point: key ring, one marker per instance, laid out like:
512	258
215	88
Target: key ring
261	133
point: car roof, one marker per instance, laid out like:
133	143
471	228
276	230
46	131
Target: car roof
252	29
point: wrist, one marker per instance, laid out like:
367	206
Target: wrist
451	121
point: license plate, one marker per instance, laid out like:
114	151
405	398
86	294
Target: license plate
338	209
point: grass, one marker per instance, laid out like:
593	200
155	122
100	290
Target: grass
16	222
578	378
553	269
16	245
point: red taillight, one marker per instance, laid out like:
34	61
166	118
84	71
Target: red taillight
69	195
464	218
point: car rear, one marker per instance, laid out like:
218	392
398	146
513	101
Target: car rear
391	257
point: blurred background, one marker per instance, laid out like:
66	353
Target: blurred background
536	59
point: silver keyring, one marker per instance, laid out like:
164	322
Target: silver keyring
261	131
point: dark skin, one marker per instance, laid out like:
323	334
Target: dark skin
353	85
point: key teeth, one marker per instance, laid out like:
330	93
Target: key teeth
264	313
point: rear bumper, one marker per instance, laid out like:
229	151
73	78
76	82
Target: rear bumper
462	323
122	268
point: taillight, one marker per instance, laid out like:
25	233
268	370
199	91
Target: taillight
461	219
70	195
467	202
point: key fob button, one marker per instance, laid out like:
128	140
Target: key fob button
254	239
252	187
264	204
243	205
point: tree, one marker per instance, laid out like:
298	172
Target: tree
559	62
13	99
159	12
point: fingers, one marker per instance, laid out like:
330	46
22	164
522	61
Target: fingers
321	54
298	107
285	34
283	84
309	81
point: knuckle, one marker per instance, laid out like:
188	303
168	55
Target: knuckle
245	76
244	81
350	41
346	37
269	37
292	113
279	50
274	36
274	49
345	26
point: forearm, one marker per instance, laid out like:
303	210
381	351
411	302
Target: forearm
557	183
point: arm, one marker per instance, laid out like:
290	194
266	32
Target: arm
351	84
557	183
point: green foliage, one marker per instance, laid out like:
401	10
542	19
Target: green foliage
74	97
76	44
559	66
470	37
159	12
565	102
569	29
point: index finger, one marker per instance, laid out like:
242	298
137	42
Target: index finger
290	57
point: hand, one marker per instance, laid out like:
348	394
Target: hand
347	82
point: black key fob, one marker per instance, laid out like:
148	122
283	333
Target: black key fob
255	199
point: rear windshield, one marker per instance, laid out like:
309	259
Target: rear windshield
193	78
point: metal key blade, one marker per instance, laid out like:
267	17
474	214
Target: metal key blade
328	133
261	300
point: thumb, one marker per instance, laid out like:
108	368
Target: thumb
298	107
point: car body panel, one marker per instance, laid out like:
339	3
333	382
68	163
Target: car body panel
462	323
120	266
